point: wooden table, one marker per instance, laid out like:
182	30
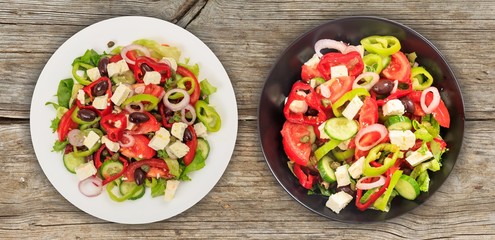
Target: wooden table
247	36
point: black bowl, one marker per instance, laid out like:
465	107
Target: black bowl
287	70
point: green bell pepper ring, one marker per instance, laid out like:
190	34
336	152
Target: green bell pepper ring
343	155
375	153
373	63
152	100
182	85
325	148
114	197
77	120
336	107
382	202
208	116
79	79
418	75
93	149
383	45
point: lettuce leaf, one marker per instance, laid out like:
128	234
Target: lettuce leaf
158	50
197	163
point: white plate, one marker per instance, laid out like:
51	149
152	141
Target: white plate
124	30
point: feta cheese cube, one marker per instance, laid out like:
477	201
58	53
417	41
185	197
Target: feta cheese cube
417	157
152	77
169	153
111	145
91	139
101	102
85	170
178	129
356	169
121	93
323	134
160	140
130	124
338	71
403	139
393	107
313	61
123	67
200	130
93	73
342	175
344	144
171	62
113	69
81	96
170	189
338	201
298	106
352	108
179	149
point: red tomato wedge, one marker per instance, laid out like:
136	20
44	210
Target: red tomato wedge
352	61
369	113
140	149
297	151
399	68
308	73
151	125
337	87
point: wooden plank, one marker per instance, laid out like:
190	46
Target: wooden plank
248	202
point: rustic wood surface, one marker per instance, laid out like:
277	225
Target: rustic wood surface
247	36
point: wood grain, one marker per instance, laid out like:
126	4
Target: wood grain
247	37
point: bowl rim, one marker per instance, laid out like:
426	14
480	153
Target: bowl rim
360	17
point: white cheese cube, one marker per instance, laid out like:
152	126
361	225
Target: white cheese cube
342	175
200	130
93	73
85	170
344	145
178	129
111	145
403	139
352	108
169	153
338	201
179	149
356	169
170	189
120	95
160	140
338	71
298	106
393	107
171	62
123	67
417	157
313	61
323	134
113	69
101	102
91	139
81	96
152	77
130	124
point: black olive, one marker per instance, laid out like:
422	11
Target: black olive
408	104
87	115
169	112
139	176
383	87
146	68
102	66
138	117
100	88
346	189
187	135
311	112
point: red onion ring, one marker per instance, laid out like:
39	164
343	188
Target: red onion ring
366	186
396	85
76	137
91	186
382	130
368	85
434	102
183	114
130	109
330	44
351	48
131	47
170	62
176	106
130	140
139	89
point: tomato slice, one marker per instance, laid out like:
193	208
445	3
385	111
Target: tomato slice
399	68
352	61
337	87
308	73
292	134
441	114
369	113
151	125
140	149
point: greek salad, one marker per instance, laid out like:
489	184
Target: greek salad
133	120
363	123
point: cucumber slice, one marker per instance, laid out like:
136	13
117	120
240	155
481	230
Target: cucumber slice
126	187
71	162
110	168
398	123
204	147
341	128
325	170
407	187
